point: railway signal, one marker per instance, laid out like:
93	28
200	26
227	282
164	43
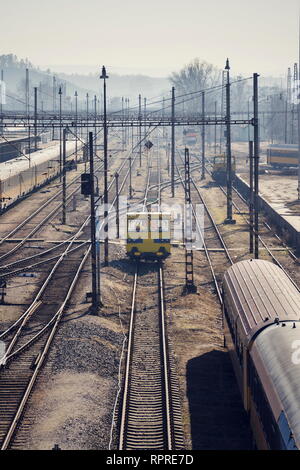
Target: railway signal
148	144
190	287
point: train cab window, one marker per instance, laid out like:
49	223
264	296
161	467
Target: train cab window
137	227
158	226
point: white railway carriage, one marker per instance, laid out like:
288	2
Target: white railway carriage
262	333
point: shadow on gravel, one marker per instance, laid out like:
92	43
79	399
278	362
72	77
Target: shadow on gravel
127	266
218	419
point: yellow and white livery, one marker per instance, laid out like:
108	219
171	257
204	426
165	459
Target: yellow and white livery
148	235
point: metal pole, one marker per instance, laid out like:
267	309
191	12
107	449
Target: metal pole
248	105
1	105
163	117
117	205
54	93
173	144
64	189
95	270
27	92
215	129
187	235
145	114
229	219
123	128
1	196
203	136
140	129
251	196
104	77
298	97
256	162
130	177
35	118
87	116
76	119
60	126
95	123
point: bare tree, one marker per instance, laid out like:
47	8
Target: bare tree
194	77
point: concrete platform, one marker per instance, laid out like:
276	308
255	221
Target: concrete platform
279	200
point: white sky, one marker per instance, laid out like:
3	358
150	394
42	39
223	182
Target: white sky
153	37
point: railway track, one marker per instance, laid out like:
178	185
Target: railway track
28	339
273	238
214	246
238	199
151	415
27	347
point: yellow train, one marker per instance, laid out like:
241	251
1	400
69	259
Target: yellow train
219	168
148	235
282	155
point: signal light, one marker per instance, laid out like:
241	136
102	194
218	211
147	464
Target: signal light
86	184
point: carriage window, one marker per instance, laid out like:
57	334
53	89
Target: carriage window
137	226
157	225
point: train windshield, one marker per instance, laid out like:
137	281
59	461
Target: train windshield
158	226
137	226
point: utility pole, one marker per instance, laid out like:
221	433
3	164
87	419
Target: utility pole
251	195
145	115
173	143
130	176
54	93
229	220
1	103
163	118
104	76
189	269
117	205
256	162
95	266
27	92
298	98
223	106
76	119
140	129
60	126
95	123
35	118
64	186
123	128
215	151
87	117
203	136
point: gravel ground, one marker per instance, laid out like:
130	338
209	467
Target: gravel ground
72	404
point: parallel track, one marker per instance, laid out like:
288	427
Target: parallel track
27	346
150	417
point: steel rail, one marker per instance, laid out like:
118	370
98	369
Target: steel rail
41	359
269	251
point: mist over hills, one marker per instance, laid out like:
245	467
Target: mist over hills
48	83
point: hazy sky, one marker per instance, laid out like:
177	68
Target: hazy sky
153	37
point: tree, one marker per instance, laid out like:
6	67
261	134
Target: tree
194	77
